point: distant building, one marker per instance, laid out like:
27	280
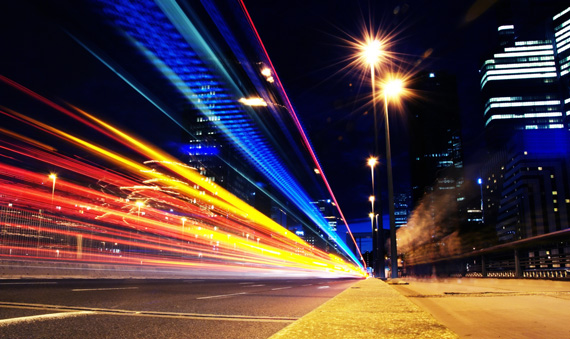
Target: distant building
436	147
525	182
520	89
402	205
561	23
528	194
328	210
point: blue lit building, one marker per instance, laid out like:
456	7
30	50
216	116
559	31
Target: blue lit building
528	193
524	86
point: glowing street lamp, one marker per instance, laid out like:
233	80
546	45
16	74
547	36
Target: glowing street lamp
183	221
370	54
392	89
52	177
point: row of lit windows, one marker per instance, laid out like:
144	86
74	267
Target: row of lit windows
563	45
532	42
520	71
525	54
561	35
528	48
503	99
522	65
211	118
520	103
560	28
551	126
523	116
520	60
518	76
561	14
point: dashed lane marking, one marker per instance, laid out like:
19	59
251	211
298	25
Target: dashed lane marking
221	295
30	283
280	288
34	318
67	311
103	289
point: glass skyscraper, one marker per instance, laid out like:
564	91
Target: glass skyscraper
520	88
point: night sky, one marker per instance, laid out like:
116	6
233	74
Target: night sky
305	44
304	41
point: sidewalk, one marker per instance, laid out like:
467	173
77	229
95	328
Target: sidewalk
369	309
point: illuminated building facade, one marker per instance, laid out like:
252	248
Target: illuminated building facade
526	186
520	84
525	183
561	22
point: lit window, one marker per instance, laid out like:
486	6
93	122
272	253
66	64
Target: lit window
554	193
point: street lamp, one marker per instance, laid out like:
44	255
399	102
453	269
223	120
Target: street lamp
392	89
370	54
52	177
183	221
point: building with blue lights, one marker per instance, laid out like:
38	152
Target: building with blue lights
524	86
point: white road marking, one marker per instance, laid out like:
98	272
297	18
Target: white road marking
246	283
307	285
103	289
254	285
321	287
119	312
31	283
12	321
221	295
280	288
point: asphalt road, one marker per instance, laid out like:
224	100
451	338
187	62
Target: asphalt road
495	308
158	308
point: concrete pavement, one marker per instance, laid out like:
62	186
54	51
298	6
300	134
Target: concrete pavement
369	309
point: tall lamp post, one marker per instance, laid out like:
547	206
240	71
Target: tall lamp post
371	53
392	89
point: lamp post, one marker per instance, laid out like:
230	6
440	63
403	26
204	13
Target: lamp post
371	53
392	89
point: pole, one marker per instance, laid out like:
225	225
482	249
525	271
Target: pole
374	229
393	244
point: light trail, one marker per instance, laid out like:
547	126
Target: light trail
95	217
154	28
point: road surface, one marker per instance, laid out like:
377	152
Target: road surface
158	309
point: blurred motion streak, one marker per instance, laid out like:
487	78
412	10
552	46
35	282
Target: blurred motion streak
118	209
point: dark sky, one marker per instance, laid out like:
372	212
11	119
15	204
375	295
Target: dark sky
305	44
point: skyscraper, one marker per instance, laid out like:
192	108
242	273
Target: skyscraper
561	23
436	150
520	89
526	95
